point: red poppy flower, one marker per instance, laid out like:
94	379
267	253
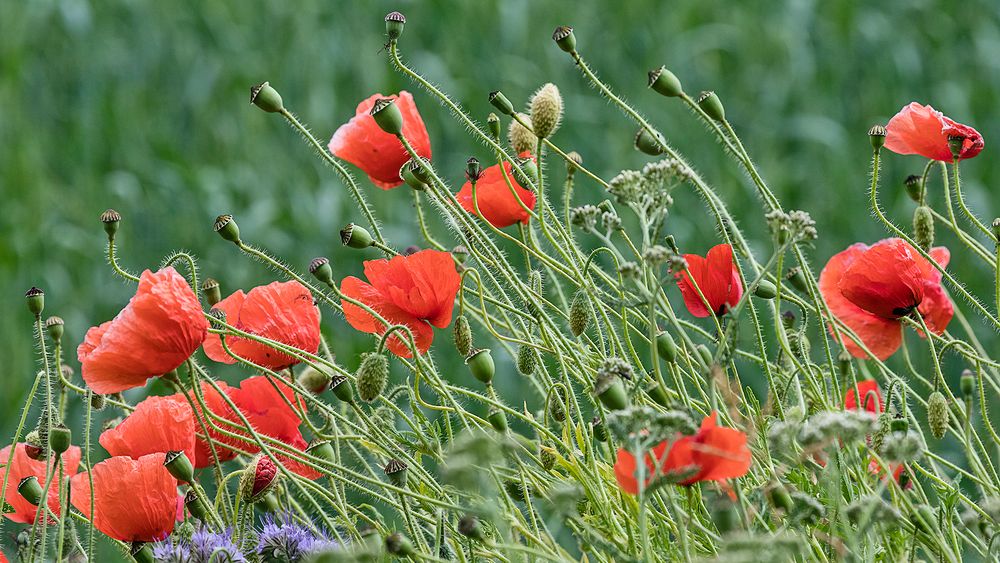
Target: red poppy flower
496	202
866	389
716	276
897	471
216	404
416	290
157	425
363	143
155	333
922	130
626	469
717	453
22	466
134	499
870	288
280	311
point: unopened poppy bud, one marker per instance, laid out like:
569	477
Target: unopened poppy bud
658	394
481	365
227	228
178	464
259	477
355	236
315	380
98	402
372	376
30	489
579	313
55	326
342	388
472	169
470	527
779	498
394	22
723	514
526	360
547	456
60	439
111	219
923	227
877	136
597	427
546	110
923	519
563	36
937	414
899	425
33	445
212	291
321	270
573	163
646	143
666	346
408	172
498	420
968	384
610	390
462	333
387	116
797	279
398	544
710	103
556	405
141	552
501	102
912	184
493	124
955	143
36	300
665	82
521	138
266	98
395	470
766	290
194	505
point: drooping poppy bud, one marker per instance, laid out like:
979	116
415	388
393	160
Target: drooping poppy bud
497	419
546	110
665	82
481	365
937	414
372	376
666	347
526	360
227	228
462	333
521	138
913	185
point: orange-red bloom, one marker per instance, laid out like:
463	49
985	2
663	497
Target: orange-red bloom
870	395
134	499
216	404
22	466
157	425
280	311
922	130
870	288
361	142
716	276
497	203
626	469
416	290
156	332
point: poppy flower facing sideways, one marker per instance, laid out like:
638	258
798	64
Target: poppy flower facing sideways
380	155
497	204
157	425
155	333
870	395
134	499
22	466
870	289
416	290
922	130
716	276
280	311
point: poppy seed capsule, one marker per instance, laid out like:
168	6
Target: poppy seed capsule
460	254
877	136
526	360
470	527
937	414
55	326
955	143
97	402
710	103
573	162
33	445
395	470
797	279
499	101
498	420
178	464
36	300
342	389
579	313
646	143
195	506
227	228
563	36
406	172
111	219
521	138
212	291
900	425
141	552
913	188
658	394
321	270
610	390
462	333
394	22
665	82
60	439
30	489
321	449
766	290
315	380
355	236
546	110
481	365
547	457
666	347
266	98
968	384
996	229
398	544
372	376
387	116
472	169
493	124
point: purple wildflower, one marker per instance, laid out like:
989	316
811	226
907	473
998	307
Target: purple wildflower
283	539
205	546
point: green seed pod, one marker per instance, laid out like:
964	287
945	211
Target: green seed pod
563	36
766	290
55	326
711	105
481	365
60	439
937	414
387	116
462	333
666	347
955	143
913	187
579	313
923	227
111	219
266	98
178	464
98	402
597	427
658	394
395	470
30	489
212	291
610	390
547	456
322	449
923	519
36	300
498	420
797	279
665	82
394	22
470	527
778	497
521	138
705	354
573	163
501	102
342	388
900	425
493	124
372	375
557	405
877	136
141	552
227	228
472	169
399	545
321	270
315	380
646	143
408	172
527	360
195	506
516	489
968	384
355	236
546	110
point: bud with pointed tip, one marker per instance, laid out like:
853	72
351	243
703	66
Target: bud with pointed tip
356	236
877	136
55	326
665	82
259	477
481	365
36	300
579	313
563	36
497	419
501	102
387	116
520	137
546	110
227	228
647	143
372	376
266	98
395	470
937	414
710	103
394	22
321	270
178	464
463	335
111	219
666	347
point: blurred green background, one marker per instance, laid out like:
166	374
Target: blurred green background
142	106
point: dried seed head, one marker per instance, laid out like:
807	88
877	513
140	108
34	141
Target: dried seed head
372	376
923	227
266	98
579	313
520	137
387	116
356	236
55	326
320	268
937	414
913	186
546	110
36	300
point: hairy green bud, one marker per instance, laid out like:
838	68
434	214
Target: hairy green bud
579	313
462	333
937	414
546	110
923	227
527	360
372	376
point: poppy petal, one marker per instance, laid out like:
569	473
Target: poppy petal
922	130
157	425
22	466
497	205
885	280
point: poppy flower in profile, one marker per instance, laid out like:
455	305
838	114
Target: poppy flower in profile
156	332
716	276
157	425
380	155
626	469
416	290
870	289
22	466
497	204
714	453
280	311
870	395
922	130
134	499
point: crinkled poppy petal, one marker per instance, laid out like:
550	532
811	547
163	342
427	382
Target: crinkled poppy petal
626	469
423	284
379	154
918	129
726	274
158	330
721	453
716	279
157	425
22	466
881	336
134	499
972	141
886	280
231	306
692	300
870	394
497	204
681	460
362	320
936	309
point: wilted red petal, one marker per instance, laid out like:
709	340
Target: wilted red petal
870	393
280	311
134	499
158	330
922	130
379	154
716	276
157	425
497	204
626	467
22	466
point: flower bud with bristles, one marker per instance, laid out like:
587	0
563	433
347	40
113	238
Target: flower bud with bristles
260	476
937	414
217	314
372	376
546	110
520	137
527	361
579	313
227	228
923	227
321	270
462	333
